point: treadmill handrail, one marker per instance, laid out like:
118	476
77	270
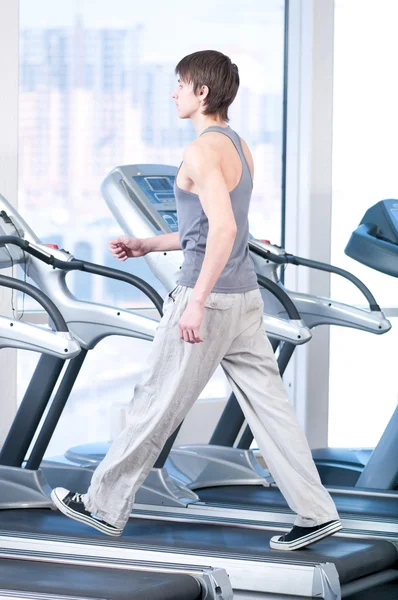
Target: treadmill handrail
281	295
88	267
32	291
80	265
320	266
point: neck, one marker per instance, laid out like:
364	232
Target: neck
202	122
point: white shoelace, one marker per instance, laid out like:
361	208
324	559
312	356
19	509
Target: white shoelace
77	498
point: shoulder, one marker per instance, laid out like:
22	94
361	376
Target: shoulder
200	154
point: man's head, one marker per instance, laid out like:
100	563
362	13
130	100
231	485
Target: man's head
207	82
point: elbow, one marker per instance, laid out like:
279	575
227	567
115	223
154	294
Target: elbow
228	231
233	230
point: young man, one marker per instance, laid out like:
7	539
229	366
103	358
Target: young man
213	316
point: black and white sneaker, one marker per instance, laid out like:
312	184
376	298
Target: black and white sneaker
299	537
72	505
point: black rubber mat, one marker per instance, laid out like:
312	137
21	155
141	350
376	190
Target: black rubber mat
95	582
353	558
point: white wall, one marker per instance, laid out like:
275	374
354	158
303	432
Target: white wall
9	38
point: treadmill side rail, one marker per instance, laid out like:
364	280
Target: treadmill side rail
213	583
266	575
16	334
317	310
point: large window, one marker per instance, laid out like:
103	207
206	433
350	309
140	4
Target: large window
95	92
363	387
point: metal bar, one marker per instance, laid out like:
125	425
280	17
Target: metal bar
319	266
39	296
381	471
160	462
283	297
31	410
54	414
232	418
229	424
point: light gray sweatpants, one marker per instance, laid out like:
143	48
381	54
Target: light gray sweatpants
177	372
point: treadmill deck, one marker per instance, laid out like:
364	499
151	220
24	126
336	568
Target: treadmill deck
208	544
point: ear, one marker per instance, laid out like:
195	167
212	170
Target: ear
204	92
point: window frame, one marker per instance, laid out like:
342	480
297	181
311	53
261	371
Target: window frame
309	197
9	68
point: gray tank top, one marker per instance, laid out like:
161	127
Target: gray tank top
238	274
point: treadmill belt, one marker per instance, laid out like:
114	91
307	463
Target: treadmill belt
95	582
353	558
270	499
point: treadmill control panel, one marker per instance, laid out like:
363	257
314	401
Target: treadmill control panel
160	193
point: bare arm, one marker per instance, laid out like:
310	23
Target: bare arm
124	247
165	242
204	169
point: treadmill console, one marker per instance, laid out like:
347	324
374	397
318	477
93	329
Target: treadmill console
160	193
375	242
150	188
141	198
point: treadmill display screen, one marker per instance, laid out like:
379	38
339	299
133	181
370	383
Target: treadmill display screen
158	190
159	184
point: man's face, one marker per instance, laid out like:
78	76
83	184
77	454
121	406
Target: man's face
186	101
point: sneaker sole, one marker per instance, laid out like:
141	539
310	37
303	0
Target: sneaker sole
308	539
72	514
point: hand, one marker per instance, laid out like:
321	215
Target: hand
190	322
125	247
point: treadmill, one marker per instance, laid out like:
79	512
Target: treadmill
142	199
332	569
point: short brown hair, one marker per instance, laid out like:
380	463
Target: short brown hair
218	73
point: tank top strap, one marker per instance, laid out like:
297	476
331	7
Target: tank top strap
235	139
